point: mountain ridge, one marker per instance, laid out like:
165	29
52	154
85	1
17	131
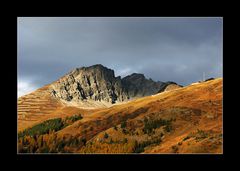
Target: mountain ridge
99	83
81	90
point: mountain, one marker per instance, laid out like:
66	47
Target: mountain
182	120
96	83
86	87
99	83
168	86
136	85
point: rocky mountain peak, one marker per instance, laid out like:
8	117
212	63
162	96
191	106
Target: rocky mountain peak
99	83
96	70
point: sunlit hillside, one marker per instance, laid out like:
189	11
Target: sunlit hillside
184	120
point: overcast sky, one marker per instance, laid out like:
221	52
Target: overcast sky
164	49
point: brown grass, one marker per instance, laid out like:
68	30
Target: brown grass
195	107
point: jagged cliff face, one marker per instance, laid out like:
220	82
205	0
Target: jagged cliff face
99	83
96	83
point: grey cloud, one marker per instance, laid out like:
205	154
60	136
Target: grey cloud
165	49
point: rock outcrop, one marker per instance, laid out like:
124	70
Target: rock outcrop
136	85
96	83
168	86
99	83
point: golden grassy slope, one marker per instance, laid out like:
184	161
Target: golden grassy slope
196	111
39	106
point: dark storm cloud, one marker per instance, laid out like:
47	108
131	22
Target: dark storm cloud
165	49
